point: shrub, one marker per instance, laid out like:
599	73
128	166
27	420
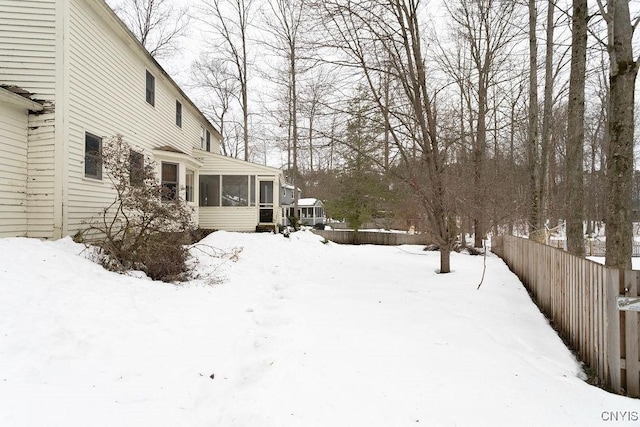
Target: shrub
136	230
294	221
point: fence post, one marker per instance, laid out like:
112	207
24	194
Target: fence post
631	336
612	329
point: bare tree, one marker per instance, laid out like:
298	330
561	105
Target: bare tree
623	70
547	116
387	35
285	24
532	126
221	88
229	20
575	124
158	24
487	28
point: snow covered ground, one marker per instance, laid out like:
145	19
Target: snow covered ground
635	261
298	333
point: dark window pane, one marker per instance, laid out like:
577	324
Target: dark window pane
169	172
178	114
169	181
235	190
151	89
266	215
209	190
252	190
136	168
208	141
266	192
189	186
92	156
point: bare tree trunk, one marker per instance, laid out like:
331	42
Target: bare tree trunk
294	124
622	76
479	154
311	116
575	130
394	27
547	119
244	79
445	260
486	28
231	22
532	126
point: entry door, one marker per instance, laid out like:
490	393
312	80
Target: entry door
266	201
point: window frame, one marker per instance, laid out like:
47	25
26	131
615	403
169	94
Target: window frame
174	193
150	91
91	159
178	114
136	168
189	187
215	191
235	182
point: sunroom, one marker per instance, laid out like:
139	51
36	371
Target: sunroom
235	195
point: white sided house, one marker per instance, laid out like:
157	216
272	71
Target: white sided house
72	76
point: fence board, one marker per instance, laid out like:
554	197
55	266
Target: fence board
373	238
612	329
631	337
580	298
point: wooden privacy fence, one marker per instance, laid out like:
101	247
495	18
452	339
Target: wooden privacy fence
591	307
594	247
372	238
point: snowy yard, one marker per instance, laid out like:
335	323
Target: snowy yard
299	333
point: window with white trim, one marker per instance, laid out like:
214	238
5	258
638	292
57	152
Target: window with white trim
170	182
136	168
151	89
189	185
92	156
178	114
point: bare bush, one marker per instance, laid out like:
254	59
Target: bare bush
143	227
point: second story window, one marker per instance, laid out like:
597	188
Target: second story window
178	114
208	148
151	89
202	138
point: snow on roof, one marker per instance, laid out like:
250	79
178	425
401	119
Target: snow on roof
307	201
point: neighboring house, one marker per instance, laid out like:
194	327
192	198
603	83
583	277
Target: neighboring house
71	76
311	211
287	202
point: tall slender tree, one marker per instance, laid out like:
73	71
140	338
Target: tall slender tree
374	36
623	70
230	22
532	125
575	141
487	28
285	24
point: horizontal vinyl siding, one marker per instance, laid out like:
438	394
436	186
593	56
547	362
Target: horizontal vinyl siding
235	218
229	218
107	97
13	171
27	46
40	170
221	165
